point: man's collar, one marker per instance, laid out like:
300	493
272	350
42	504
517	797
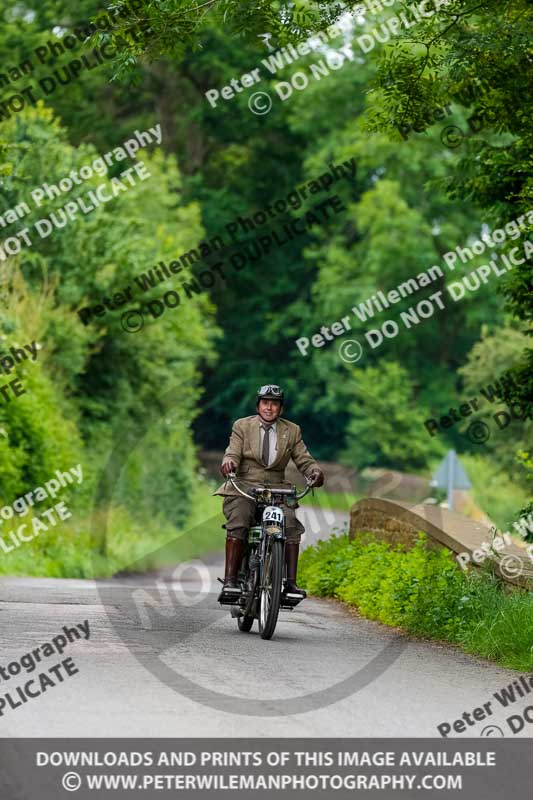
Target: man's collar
262	422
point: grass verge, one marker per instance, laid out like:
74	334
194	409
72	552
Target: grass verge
331	500
425	593
133	544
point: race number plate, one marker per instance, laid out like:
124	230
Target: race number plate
273	514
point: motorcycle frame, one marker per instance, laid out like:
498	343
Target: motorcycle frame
260	548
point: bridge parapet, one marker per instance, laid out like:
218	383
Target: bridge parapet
400	523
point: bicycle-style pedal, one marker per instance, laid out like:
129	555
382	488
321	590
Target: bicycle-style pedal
291	600
229	596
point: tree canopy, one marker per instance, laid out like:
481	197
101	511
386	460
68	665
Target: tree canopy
399	197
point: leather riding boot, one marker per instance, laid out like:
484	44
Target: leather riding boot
234	553
291	560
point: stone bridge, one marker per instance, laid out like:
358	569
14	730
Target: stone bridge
399	523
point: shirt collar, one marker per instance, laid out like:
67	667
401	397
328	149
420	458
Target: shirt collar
261	423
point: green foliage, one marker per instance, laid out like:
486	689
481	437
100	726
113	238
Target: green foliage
424	592
38	429
171	27
95	386
499	494
476	55
68	549
494	362
492	356
337	501
382	420
390	232
525	460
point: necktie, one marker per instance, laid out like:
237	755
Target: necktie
266	444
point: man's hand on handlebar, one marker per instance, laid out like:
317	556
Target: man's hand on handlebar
228	467
316	478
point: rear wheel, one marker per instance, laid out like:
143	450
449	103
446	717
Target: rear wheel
246	621
271	589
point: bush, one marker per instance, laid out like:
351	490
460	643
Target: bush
426	593
68	550
96	394
497	493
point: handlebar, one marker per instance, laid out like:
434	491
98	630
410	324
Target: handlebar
257	490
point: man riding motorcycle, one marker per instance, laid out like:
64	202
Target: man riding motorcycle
259	450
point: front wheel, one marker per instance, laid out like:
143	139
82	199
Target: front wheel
271	578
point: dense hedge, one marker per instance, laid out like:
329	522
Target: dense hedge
426	593
94	388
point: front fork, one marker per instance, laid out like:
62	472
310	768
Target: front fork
268	537
258	542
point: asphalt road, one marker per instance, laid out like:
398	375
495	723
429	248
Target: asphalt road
163	659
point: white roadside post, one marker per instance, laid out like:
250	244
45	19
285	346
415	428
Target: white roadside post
451	475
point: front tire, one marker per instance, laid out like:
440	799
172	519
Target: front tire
271	590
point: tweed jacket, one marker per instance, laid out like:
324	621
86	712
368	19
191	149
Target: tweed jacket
244	449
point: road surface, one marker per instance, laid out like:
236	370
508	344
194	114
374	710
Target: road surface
163	659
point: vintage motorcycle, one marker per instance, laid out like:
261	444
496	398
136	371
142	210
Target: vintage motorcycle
261	576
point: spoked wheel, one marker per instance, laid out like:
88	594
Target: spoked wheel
271	590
